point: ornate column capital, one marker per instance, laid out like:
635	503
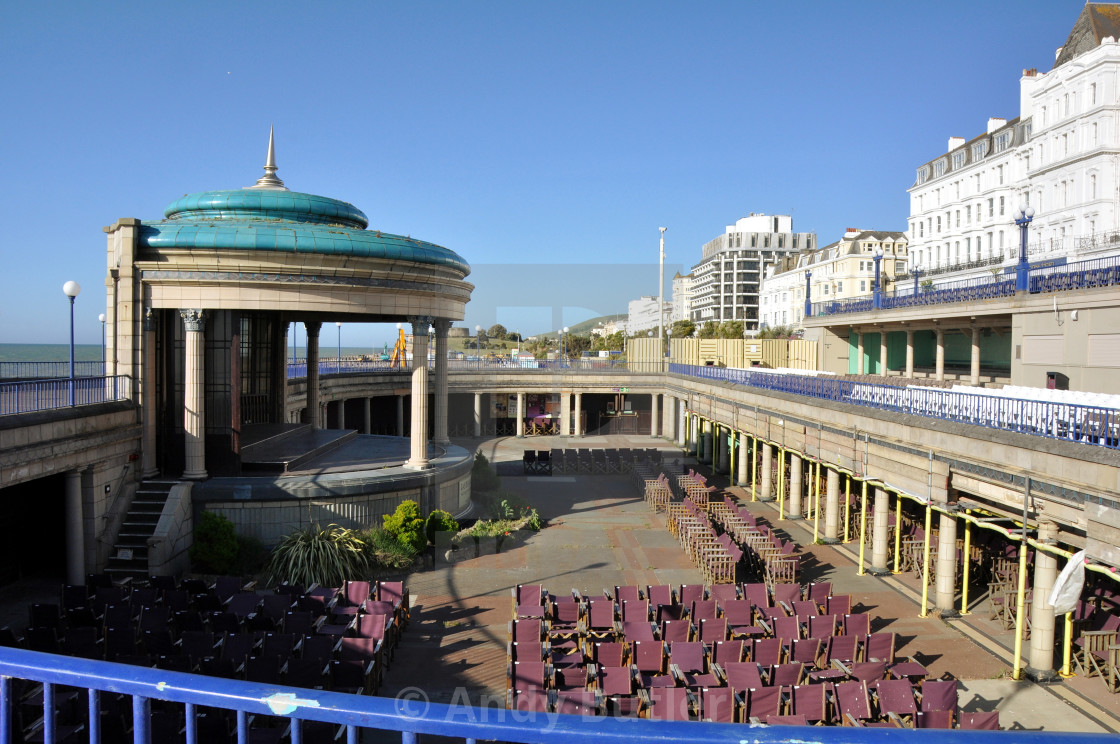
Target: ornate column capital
442	326
194	320
420	324
149	320
313	327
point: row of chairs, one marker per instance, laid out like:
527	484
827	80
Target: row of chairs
602	461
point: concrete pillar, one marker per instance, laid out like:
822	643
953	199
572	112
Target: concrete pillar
945	596
682	425
565	414
832	507
478	414
880	533
439	436
668	408
766	490
743	461
312	399
883	352
577	417
940	359
149	468
400	415
717	448
910	353
75	530
1041	663
697	437
974	369
418	421
367	419
653	414
520	415
796	487
194	395
859	352
341	415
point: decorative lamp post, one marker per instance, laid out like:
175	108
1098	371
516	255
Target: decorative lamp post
877	286
478	339
563	355
808	291
1022	270
917	275
101	317
338	324
71	290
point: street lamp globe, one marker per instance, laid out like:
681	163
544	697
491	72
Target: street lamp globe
71	289
101	317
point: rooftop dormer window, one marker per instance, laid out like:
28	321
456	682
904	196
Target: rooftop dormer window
939	168
958	159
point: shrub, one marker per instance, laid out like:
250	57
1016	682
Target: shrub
215	547
483	477
252	557
324	555
439	521
407	526
386	553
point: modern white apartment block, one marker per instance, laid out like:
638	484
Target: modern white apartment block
726	282
1059	156
642	315
682	297
838	271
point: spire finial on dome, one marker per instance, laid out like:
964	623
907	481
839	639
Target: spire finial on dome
269	179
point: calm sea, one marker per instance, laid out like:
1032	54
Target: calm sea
92	352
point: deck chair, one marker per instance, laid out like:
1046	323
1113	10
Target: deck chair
690	593
933	719
669	704
819	592
788	628
739	614
768	651
628	593
528	701
616	685
635	610
787	592
610	653
895	701
879	647
578	702
858	624
600	618
757	594
838	604
982	721
530	675
713	629
806	650
688	663
823	627
652	663
787	675
762	703
728	651
741	676
719	704
676	630
939	696
810	701
852	703
723	592
639	631
661	596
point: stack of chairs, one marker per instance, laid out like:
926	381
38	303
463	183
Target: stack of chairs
536	462
1096	651
729	653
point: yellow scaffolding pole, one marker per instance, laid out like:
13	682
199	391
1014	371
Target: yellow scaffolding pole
862	528
847	505
1017	670
1067	645
925	561
897	530
967	563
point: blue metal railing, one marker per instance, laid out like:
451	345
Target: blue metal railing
29	396
1077	423
332	367
48	370
412	715
1044	277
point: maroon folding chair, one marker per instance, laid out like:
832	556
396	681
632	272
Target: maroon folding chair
713	629
787	628
529	594
690	593
676	630
895	701
879	647
600	618
640	631
578	702
652	663
819	592
528	701
529	675
806	650
609	653
768	651
868	671
810	701
981	721
787	675
933	719
857	623
838	604
762	703
822	626
728	651
688	662
660	595
852	703
742	675
669	704
787	594
939	695
719	704
723	592
843	648
635	610
757	594
628	593
526	629
702	609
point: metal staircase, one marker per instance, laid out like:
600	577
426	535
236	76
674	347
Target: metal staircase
130	551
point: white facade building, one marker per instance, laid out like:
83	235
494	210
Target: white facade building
682	298
1059	156
726	281
642	315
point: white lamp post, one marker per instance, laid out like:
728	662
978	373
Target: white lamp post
71	290
1022	270
101	317
478	347
338	324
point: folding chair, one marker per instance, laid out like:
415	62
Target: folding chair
578	702
688	663
762	703
650	659
669	703
810	701
719	704
981	721
728	651
741	676
895	701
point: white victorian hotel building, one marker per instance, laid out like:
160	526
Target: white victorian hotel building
1059	156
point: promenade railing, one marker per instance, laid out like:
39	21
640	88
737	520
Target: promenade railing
297	370
1088	424
411	713
48	370
29	396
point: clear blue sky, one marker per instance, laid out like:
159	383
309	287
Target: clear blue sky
515	133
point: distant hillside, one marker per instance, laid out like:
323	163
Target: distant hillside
584	328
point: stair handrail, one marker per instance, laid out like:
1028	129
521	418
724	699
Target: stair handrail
112	505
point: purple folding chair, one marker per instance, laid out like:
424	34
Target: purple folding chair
615	681
529	675
676	630
933	719
819	592
858	624
981	721
895	699
650	660
527	629
787	593
609	653
660	595
635	610
600	617
762	703
690	593
629	593
843	648
787	628
578	702
838	604
528	701
805	650
823	626
728	651
703	609
689	664
718	704
787	675
939	695
852	702
529	594
868	671
810	701
879	647
741	676
767	651
639	631
713	629
757	594
723	592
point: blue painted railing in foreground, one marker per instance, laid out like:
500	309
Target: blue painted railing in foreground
29	396
1088	424
412	716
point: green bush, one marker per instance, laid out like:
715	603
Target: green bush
252	557
386	553
439	521
406	525
483	477
215	547
319	555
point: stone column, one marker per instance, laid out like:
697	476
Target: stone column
478	414
148	398
717	448
766	490
883	352
743	461
367	419
341	413
577	417
946	576
832	507
440	434
880	533
1040	667
909	353
940	359
419	417
75	530
974	370
194	395
667	407
520	415
400	415
682	425
565	414
859	353
653	415
796	487
312	399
